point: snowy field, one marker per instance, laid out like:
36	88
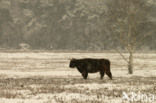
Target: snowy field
46	78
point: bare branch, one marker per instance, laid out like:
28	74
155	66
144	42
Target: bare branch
122	55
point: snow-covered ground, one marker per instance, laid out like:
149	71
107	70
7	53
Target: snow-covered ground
46	78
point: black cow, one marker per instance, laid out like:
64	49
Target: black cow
89	65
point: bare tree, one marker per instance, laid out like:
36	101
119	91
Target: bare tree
129	21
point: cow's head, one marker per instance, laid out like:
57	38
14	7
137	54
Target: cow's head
72	63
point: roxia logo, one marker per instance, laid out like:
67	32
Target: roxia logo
135	97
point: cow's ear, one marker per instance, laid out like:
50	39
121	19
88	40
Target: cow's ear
73	59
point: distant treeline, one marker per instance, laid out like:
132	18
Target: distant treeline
64	25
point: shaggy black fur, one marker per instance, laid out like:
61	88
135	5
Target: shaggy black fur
89	65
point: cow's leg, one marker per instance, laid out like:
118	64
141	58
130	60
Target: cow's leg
109	74
102	74
85	74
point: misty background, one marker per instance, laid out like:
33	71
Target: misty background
68	25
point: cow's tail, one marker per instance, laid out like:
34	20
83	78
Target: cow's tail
109	63
108	70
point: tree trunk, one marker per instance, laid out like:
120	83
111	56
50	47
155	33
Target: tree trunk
130	64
